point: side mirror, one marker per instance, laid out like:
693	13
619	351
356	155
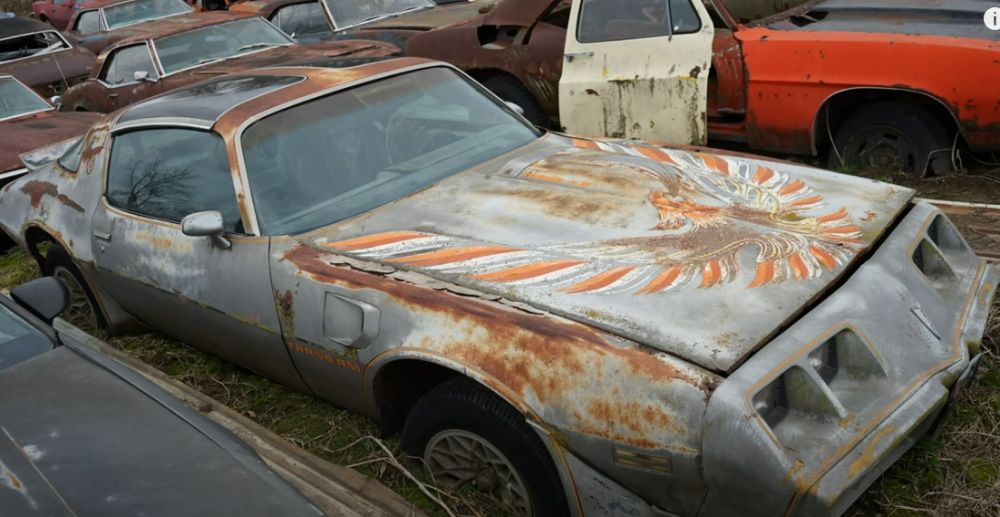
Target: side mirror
206	224
143	76
56	102
46	297
517	108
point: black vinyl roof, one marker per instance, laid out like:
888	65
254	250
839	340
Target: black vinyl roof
20	25
207	101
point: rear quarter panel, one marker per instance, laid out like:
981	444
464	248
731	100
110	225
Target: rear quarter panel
791	75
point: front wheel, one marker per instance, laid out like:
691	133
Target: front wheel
892	137
466	435
83	310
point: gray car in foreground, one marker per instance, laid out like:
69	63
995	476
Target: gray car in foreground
580	326
84	435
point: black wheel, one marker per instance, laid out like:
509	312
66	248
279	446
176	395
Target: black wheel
83	310
510	89
893	137
467	435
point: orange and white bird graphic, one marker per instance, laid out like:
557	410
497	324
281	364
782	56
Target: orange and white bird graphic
715	214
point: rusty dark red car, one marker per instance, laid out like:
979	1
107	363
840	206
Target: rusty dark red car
180	50
104	22
40	56
391	21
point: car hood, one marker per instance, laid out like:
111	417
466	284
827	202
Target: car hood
433	18
38	131
700	255
292	54
958	18
89	436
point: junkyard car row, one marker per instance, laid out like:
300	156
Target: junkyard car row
577	325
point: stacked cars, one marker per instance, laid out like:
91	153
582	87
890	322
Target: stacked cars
388	235
573	325
41	57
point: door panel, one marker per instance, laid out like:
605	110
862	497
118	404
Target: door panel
217	299
637	69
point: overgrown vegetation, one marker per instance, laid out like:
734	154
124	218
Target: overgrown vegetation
956	474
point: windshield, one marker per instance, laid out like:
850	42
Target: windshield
19	341
353	12
137	11
217	42
31	45
339	156
16	99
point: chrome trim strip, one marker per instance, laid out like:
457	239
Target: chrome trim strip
13	173
165	122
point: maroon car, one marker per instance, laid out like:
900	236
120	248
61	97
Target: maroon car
185	49
40	57
58	12
104	22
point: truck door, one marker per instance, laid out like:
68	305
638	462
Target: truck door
637	69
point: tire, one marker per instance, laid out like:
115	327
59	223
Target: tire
896	136
84	310
462	412
509	89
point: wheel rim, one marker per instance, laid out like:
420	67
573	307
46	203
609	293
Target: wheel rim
882	148
80	312
454	457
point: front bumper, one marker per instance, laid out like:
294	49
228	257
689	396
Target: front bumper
812	420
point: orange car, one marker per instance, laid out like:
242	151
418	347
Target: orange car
895	84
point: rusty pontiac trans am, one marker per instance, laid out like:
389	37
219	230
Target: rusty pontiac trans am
576	326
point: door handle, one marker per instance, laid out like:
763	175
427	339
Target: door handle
102	236
112	95
572	55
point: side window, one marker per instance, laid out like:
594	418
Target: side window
171	173
89	22
125	62
616	20
70	160
301	19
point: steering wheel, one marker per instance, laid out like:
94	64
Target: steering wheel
405	138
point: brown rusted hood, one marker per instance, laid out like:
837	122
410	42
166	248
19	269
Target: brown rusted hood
428	19
698	255
23	135
292	53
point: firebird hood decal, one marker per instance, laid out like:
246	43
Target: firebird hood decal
695	208
696	254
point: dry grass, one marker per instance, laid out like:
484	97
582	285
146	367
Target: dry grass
956	474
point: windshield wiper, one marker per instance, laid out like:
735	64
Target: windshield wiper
252	46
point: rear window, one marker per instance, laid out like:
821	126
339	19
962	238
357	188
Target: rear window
28	45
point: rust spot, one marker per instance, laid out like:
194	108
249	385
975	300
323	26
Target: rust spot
286	311
36	190
536	356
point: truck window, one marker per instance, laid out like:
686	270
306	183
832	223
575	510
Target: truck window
616	20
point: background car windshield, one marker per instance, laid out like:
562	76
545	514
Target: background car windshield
142	10
352	12
16	99
217	42
338	156
19	341
30	45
